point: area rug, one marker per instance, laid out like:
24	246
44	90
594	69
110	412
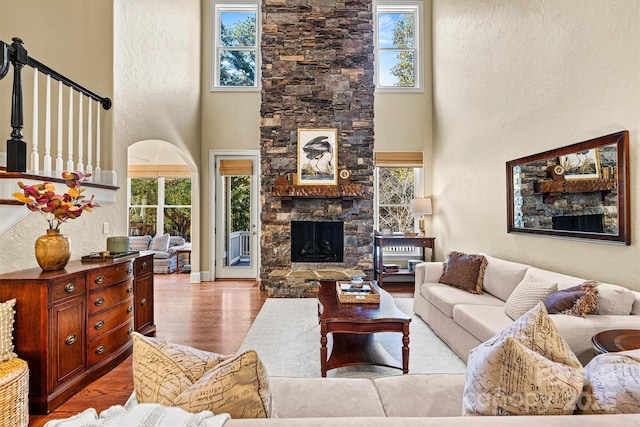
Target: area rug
286	335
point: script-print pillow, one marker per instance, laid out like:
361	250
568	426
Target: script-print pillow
612	384
528	369
195	380
162	370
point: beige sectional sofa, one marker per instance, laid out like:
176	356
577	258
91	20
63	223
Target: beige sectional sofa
464	320
394	401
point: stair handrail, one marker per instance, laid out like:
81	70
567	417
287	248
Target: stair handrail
15	54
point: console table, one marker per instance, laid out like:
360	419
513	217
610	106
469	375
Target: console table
381	242
74	325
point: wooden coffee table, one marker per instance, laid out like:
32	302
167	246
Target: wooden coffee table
352	326
616	340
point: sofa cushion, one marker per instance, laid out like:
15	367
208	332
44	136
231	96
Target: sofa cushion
481	321
612	384
501	277
527	295
614	299
176	241
7	314
195	380
501	371
440	395
445	297
160	242
162	254
562	280
464	271
325	397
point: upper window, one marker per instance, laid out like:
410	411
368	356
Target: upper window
235	40
397	45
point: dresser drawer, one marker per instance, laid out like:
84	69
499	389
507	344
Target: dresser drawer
100	278
143	264
102	347
105	321
67	287
107	298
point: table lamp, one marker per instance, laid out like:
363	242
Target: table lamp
422	207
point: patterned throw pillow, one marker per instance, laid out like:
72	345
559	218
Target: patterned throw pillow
528	369
527	295
577	300
195	380
160	243
7	314
464	271
612	384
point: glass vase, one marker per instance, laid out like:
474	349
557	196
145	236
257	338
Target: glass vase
52	250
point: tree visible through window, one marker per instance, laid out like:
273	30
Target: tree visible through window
236	45
397	46
396	189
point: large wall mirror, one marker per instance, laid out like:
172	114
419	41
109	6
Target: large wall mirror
578	191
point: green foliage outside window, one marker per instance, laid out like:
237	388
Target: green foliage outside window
240	203
396	190
403	37
237	66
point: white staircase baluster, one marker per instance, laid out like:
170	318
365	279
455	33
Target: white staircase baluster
80	133
35	161
89	136
47	129
70	165
59	161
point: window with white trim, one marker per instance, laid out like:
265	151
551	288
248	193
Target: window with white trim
397	37
235	54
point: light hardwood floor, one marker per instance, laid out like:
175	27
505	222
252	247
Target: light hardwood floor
213	316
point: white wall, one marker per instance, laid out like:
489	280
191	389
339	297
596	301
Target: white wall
517	77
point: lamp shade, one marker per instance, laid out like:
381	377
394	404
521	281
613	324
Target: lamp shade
421	206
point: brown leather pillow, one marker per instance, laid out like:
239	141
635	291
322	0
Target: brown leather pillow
577	300
464	271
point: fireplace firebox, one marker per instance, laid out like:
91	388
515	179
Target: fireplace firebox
586	223
317	241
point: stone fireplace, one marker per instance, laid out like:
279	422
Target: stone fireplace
317	72
317	241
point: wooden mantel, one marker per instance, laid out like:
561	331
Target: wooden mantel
574	186
343	190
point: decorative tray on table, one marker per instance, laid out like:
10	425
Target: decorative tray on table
368	293
107	256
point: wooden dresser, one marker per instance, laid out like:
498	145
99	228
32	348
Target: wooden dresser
74	325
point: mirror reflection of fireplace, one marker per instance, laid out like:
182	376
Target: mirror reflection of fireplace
586	223
317	241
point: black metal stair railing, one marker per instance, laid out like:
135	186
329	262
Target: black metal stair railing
15	54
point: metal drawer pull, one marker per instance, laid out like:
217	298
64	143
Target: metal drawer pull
129	289
129	309
130	330
70	287
100	349
143	302
99	301
129	270
144	265
70	339
99	280
99	325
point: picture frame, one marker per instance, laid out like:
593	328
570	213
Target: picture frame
317	156
583	164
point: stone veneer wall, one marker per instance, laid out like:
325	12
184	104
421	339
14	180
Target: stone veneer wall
317	72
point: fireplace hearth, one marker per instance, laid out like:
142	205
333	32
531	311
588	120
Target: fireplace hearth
317	241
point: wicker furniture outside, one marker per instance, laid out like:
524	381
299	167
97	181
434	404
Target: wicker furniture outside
14	393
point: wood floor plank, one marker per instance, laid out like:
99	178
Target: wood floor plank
212	316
